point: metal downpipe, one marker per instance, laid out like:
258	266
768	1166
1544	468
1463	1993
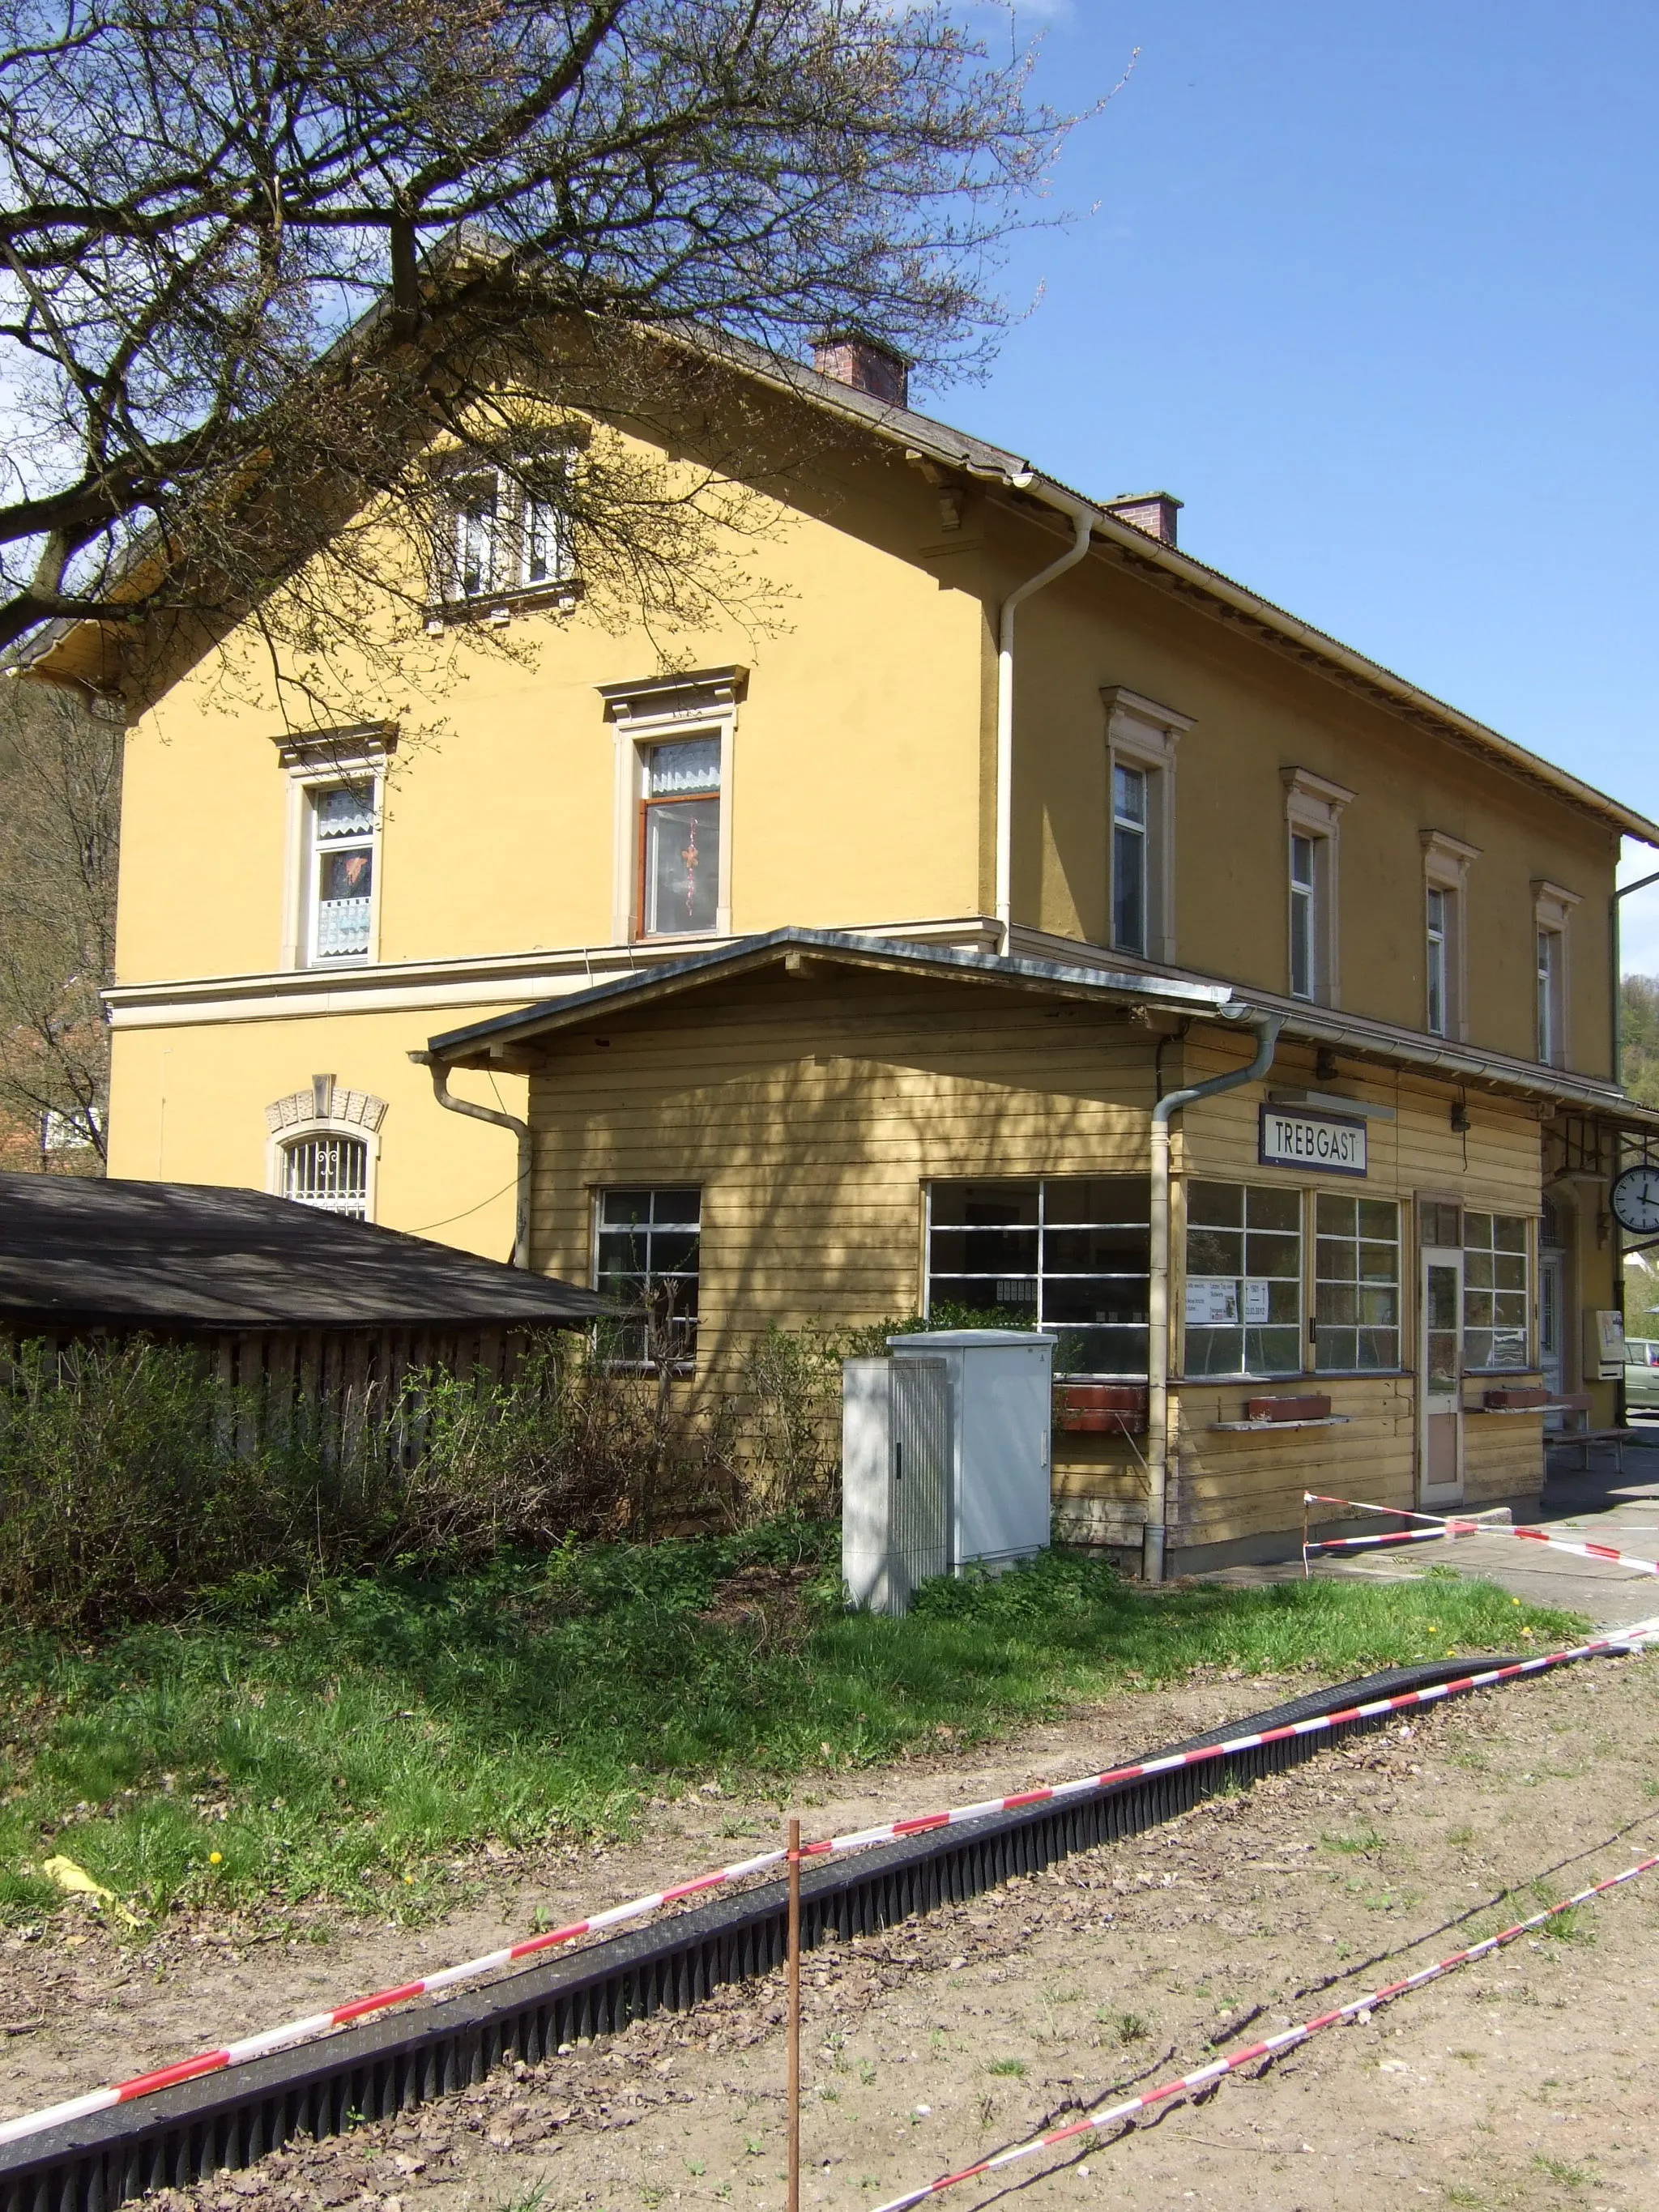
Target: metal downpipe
501	1121
1266	1028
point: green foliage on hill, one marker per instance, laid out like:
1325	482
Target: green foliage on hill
1641	1038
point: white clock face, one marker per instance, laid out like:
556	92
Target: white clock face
1636	1200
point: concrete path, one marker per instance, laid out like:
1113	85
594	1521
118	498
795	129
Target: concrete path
1597	1507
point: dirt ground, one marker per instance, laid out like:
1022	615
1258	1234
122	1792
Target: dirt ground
1518	2082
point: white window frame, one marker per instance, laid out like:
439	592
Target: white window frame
1141	734
1552	908
662	710
1446	861
509	544
326	1107
315	766
1313	808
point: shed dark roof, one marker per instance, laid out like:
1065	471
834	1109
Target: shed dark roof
179	1256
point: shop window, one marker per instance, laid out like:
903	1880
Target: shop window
1243	1280
1068	1254
1496	1291
680	838
1356	1284
648	1262
328	1173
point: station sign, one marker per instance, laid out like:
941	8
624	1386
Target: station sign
1329	1143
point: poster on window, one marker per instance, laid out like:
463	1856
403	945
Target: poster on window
1212	1301
1255	1301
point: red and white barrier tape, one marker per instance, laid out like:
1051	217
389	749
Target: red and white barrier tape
1271	2046
318	2024
1458	1525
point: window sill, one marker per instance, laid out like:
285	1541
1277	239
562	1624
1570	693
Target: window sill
1271	1428
519	599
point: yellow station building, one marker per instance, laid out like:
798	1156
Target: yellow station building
835	972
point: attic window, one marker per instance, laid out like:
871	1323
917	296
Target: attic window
500	539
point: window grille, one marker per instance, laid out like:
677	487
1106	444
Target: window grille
331	1173
649	1265
1068	1254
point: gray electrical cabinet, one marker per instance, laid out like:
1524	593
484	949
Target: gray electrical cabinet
945	1459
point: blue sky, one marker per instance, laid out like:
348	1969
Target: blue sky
1373	289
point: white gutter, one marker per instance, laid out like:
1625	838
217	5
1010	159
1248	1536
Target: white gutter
520	1130
1084	519
1266	1028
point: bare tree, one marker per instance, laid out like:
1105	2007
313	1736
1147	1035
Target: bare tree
60	780
281	276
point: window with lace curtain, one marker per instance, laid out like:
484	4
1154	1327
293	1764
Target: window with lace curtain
343	851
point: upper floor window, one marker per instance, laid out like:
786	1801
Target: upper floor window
1549	965
675	738
340	904
648	1260
1129	869
1445	871
1552	908
1141	740
680	838
1439	940
1313	810
329	1173
503	538
1070	1254
1305	916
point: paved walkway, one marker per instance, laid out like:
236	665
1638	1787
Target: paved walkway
1599	1507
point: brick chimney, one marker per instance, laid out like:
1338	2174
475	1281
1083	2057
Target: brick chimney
854	357
1154	512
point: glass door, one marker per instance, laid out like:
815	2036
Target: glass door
1440	1373
1552	1292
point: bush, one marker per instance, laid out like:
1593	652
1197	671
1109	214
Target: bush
132	1480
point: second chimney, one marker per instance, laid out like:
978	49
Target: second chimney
854	357
1154	512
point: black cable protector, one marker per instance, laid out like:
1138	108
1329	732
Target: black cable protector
235	2117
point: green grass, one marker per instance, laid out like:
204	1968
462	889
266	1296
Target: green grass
345	1746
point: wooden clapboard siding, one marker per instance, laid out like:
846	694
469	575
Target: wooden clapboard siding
812	1113
811	1120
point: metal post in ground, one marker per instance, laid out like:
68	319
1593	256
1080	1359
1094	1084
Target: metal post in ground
795	2016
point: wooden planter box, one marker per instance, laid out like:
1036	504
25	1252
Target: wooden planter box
1315	1407
1100	1408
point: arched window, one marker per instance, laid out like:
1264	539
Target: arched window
331	1173
323	1143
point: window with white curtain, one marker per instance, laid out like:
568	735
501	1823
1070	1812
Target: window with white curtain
503	538
1131	870
680	838
345	836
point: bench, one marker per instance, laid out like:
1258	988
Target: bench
1585	1438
